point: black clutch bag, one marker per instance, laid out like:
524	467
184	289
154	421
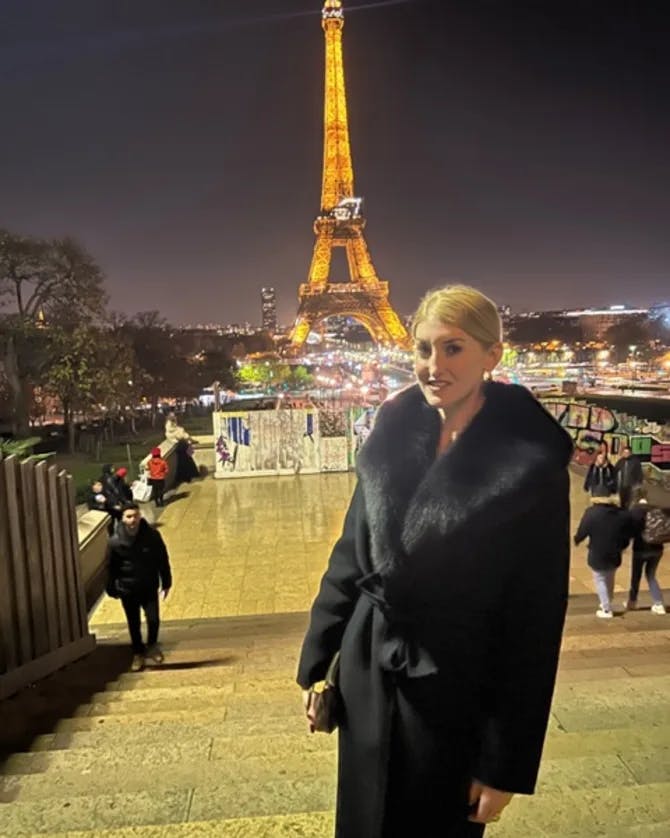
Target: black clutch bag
325	701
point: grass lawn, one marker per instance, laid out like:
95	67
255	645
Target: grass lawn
84	468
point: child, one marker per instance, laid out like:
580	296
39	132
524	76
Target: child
606	526
646	556
95	496
158	469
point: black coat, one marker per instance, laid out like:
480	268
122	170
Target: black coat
628	472
608	529
600	480
140	568
446	594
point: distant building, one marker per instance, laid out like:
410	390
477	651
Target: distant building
269	310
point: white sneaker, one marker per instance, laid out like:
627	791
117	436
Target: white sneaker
630	605
604	615
658	608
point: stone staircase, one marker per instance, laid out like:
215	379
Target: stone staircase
213	742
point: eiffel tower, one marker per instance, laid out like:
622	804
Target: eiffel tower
340	222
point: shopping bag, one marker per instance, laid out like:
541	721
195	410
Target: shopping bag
141	490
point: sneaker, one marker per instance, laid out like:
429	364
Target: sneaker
658	608
154	652
138	663
630	605
604	615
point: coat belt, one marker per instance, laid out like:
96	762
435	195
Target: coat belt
400	653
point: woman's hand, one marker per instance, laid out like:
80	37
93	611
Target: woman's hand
487	802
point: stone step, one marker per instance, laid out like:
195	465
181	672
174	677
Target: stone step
636	690
205	763
237	740
591	742
301	825
633	641
308	825
143	808
224	736
235	705
584	812
175	767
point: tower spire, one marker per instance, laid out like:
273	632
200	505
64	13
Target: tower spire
338	174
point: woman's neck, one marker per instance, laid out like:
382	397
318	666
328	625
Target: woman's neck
458	416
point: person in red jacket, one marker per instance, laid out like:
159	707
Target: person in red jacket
158	469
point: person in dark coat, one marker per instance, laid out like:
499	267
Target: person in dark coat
600	478
186	467
607	527
122	488
446	592
137	565
646	556
112	491
95	497
628	475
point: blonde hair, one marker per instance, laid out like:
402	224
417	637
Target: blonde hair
462	306
611	500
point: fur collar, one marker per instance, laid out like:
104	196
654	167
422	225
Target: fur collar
415	501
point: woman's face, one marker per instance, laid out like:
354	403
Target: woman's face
449	363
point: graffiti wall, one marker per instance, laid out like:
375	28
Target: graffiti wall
265	442
591	426
284	441
309	440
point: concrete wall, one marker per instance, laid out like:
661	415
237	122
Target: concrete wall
93	534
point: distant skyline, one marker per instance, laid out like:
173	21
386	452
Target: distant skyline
520	147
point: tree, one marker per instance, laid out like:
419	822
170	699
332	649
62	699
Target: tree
164	367
632	331
89	369
216	365
43	284
544	328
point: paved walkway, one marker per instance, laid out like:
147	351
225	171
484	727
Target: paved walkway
260	545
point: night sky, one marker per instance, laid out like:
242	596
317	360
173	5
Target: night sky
521	147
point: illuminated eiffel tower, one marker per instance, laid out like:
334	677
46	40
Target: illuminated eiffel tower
340	222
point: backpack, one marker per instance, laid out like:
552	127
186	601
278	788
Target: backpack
656	526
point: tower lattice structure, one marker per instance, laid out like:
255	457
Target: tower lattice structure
340	222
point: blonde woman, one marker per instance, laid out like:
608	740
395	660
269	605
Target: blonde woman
446	592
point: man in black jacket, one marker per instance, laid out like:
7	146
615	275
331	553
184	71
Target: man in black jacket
628	474
138	564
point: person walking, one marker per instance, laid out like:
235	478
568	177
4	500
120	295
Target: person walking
600	479
137	566
607	528
157	469
628	475
445	595
646	556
